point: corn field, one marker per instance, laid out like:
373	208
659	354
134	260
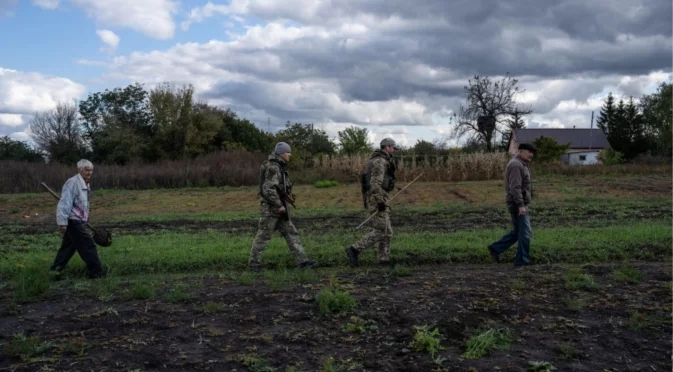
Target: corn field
465	167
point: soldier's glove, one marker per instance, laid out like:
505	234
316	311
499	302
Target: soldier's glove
381	206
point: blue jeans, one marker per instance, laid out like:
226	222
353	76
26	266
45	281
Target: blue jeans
521	232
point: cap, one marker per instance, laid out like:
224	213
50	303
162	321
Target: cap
281	148
389	142
527	146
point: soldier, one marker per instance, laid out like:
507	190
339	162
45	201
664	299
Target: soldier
377	181
518	194
273	183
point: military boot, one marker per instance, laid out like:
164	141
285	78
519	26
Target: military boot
353	254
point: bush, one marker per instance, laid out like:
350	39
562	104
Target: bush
610	157
333	301
325	184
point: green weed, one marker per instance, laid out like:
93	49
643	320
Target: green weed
333	301
326	184
359	325
32	283
426	340
575	279
25	347
487	340
142	291
628	275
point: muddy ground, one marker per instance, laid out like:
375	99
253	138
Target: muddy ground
447	221
264	326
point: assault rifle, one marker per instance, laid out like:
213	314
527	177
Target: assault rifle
285	198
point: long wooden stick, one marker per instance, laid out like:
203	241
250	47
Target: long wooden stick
391	199
59	198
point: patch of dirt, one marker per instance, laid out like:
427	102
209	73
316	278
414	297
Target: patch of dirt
258	326
445	221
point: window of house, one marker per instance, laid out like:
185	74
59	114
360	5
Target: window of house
583	158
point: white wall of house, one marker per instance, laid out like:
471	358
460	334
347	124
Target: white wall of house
581	157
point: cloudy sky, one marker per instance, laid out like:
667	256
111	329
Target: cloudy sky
393	66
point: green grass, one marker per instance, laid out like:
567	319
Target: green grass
334	301
426	340
182	252
628	275
575	279
325	184
24	347
484	341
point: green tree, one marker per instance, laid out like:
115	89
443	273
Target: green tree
424	148
355	141
606	117
306	140
657	111
549	150
118	125
18	150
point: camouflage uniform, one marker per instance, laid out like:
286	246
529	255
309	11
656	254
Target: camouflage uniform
381	170
272	174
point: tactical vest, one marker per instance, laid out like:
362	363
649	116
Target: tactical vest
262	175
388	178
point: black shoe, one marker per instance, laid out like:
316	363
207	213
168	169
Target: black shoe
496	256
56	275
255	268
310	264
353	255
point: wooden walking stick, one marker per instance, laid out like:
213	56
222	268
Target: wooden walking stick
101	236
391	199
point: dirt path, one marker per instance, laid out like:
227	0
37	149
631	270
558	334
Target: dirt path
447	221
265	327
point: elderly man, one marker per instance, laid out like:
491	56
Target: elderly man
518	194
72	213
377	181
274	188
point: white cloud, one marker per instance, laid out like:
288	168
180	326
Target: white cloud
109	38
154	18
11	120
89	62
21	136
28	92
47	4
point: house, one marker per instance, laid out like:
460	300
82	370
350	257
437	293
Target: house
585	143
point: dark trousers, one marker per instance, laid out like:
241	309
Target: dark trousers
521	232
77	238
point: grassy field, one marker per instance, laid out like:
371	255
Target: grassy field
177	296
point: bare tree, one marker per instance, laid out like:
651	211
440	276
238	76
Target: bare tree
57	133
488	103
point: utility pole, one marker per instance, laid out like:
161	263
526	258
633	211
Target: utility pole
268	124
591	130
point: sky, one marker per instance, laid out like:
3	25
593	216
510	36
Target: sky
395	67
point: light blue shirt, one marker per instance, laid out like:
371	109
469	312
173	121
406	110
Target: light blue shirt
74	203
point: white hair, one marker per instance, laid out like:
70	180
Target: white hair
84	164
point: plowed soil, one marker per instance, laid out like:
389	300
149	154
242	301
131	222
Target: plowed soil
266	327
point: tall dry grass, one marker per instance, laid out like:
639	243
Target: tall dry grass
238	168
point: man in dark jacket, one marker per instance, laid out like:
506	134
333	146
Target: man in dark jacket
518	194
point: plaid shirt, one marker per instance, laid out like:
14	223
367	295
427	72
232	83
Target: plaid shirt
74	203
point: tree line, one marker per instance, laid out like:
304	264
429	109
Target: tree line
637	128
135	125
